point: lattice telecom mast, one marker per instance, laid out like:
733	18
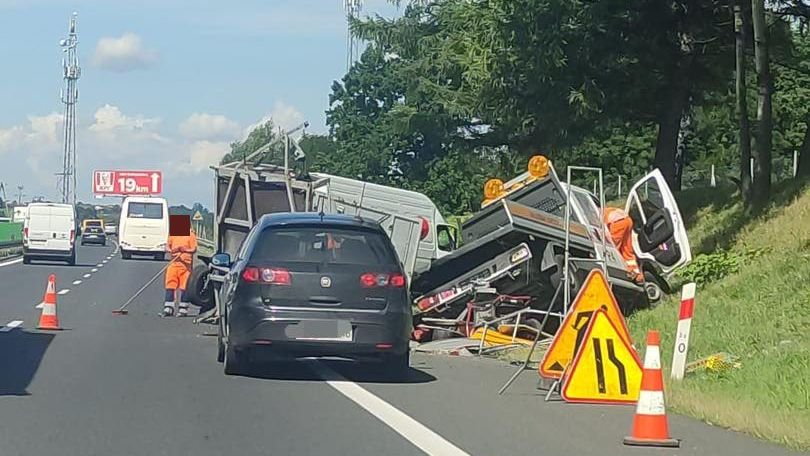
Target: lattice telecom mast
353	8
70	95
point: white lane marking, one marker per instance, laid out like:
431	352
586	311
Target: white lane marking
76	282
11	325
40	305
105	261
64	292
100	265
94	270
414	431
10	262
86	276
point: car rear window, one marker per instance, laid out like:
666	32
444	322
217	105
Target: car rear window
96	223
323	245
145	210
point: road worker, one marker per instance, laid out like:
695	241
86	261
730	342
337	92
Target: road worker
182	244
620	226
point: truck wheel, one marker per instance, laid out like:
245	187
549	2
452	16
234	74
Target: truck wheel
654	289
72	259
26	259
200	292
125	255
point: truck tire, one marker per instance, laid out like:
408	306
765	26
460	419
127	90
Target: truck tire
26	259
125	255
72	259
200	292
655	287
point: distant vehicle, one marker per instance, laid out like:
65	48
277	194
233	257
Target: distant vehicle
49	232
92	222
305	284
144	227
93	235
110	229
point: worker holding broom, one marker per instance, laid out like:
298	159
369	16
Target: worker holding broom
181	245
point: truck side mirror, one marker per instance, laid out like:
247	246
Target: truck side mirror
221	260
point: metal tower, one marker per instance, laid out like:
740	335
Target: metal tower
69	95
353	8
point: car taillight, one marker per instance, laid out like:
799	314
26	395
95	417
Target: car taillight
378	280
270	276
25	231
424	229
72	234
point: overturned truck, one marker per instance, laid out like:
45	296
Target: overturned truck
514	247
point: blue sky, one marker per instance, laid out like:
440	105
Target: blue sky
165	84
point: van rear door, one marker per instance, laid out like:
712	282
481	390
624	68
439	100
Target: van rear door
657	222
51	228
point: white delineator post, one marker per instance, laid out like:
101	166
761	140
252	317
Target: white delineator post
684	326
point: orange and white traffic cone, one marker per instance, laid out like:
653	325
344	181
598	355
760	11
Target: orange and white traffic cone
650	426
48	318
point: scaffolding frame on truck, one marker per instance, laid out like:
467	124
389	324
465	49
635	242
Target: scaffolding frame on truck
237	210
600	260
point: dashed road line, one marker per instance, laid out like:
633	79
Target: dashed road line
94	270
64	292
100	265
105	261
76	282
40	305
86	276
11	325
414	431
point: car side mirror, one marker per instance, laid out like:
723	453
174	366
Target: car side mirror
221	260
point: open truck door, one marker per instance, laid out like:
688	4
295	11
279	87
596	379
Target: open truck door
660	233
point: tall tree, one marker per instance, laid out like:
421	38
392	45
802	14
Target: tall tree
761	187
740	31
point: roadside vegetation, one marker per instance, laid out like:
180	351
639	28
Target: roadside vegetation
753	302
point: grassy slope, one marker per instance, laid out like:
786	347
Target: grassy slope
760	314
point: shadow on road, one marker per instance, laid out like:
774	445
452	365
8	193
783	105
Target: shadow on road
21	353
352	371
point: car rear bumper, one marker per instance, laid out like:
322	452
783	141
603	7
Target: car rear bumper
373	334
49	253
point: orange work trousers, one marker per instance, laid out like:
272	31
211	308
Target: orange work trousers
177	275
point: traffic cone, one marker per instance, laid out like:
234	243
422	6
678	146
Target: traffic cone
650	426
48	318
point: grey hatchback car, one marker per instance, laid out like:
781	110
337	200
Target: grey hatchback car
314	285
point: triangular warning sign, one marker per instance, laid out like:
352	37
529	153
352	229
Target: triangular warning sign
594	294
197	216
606	369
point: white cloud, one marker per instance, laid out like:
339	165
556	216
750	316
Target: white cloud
198	156
283	115
122	54
209	126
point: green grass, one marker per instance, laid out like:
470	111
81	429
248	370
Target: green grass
760	313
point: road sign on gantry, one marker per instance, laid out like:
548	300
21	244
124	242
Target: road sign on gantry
606	369
594	294
125	183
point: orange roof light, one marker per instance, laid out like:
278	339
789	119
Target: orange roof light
538	166
493	188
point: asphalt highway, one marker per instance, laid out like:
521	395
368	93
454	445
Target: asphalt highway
144	385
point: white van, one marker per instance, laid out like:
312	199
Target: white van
49	232
144	227
387	204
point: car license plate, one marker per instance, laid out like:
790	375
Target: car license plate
320	330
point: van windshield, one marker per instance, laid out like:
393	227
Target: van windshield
145	210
